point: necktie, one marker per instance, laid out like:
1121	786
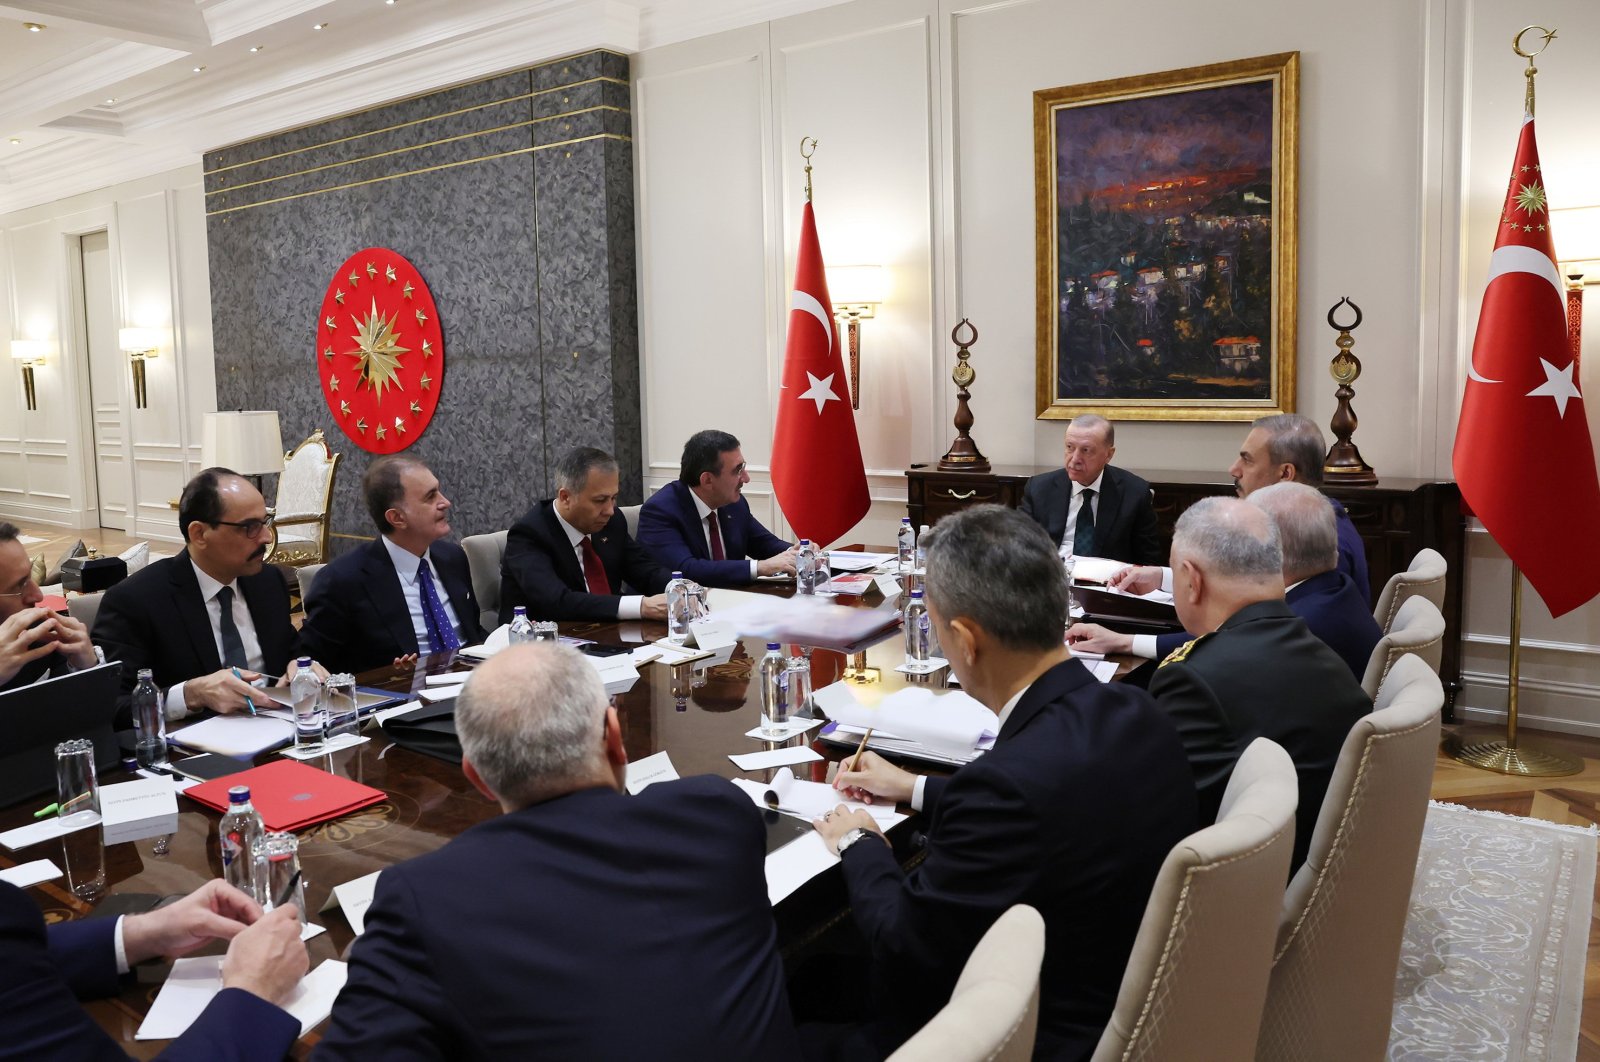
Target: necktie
232	644
716	537
594	573
1083	536
441	632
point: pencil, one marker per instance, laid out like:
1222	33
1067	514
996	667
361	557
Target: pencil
855	764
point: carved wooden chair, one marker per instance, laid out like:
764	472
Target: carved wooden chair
305	494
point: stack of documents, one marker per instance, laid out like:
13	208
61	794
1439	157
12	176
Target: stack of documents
239	735
850	560
811	621
947	727
811	800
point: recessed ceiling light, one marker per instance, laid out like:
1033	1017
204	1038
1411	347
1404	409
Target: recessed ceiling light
254	48
389	2
198	69
15	141
33	27
320	25
111	99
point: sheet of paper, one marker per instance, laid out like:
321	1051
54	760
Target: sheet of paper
656	768
30	873
449	678
46	829
1096	569
756	761
809	800
311	929
354	897
385	714
792	728
1104	670
795	864
435	694
243	736
849	560
195	981
949	722
888	585
343	741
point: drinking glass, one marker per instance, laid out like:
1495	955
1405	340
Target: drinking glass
278	867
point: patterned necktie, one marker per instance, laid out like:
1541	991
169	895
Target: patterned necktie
441	632
594	573
716	537
1083	537
232	644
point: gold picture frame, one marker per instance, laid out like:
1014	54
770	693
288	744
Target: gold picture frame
1166	224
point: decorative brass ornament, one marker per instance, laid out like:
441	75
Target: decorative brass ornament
377	351
963	455
1343	463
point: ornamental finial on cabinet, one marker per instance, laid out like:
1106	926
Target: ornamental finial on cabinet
963	455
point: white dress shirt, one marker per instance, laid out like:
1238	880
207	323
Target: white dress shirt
705	532
209	588
406	565
1005	713
631	605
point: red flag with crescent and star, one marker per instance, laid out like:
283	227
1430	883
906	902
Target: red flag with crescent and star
817	473
1523	455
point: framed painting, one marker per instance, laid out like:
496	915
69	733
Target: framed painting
1165	236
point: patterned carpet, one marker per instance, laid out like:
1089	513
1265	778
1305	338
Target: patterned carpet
1492	966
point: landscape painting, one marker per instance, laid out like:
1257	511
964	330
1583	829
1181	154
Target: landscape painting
1166	243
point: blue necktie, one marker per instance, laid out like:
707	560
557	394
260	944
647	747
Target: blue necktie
441	634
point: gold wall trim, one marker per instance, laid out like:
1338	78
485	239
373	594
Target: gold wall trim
416	147
353	538
406	124
424	169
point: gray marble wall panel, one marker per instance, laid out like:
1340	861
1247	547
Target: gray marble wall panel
529	257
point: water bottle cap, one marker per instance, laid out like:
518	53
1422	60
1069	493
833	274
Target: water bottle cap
239	794
145	673
805	542
771	646
905	519
305	661
677	575
916	593
520	610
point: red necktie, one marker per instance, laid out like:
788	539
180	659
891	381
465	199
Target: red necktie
594	573
716	537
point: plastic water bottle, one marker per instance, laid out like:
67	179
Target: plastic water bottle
1068	564
908	544
679	592
521	627
305	690
149	722
774	692
238	834
919	634
805	568
921	553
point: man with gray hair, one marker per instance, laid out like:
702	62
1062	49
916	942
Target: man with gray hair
582	922
1253	669
1072	811
570	557
1091	505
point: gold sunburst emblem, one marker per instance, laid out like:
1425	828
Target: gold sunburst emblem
378	351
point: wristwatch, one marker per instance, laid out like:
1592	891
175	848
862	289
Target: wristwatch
855	835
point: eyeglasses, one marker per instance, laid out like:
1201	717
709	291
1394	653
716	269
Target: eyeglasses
251	528
18	593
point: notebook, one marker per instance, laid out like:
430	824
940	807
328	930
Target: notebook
291	795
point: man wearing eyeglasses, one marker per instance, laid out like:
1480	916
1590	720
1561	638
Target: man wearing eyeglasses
211	620
34	642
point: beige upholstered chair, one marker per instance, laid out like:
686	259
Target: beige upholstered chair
483	561
994	1011
305	576
1332	990
305	494
1197	978
1418	628
85	607
1425	578
630	513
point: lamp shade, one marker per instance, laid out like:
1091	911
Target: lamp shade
1577	235
247	441
857	285
30	349
140	339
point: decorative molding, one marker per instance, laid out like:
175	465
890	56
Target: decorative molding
1578	648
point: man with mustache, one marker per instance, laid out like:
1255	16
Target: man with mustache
211	620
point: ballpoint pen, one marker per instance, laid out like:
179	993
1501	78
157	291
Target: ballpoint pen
288	890
248	703
855	764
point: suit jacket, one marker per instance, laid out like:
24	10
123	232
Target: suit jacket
356	615
1073	812
1124	520
592	926
670	528
45	973
156	618
1352	552
51	663
541	570
1261	674
1333	611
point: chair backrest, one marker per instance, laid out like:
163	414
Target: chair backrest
1425	578
483	561
630	513
1418	628
1199	968
305	576
1332	990
993	1013
85	607
305	493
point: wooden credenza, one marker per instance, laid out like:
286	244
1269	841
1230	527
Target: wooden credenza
1396	518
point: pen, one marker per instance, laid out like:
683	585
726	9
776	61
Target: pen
855	764
288	890
48	809
248	703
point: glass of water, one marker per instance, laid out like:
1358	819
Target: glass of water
546	631
339	702
278	867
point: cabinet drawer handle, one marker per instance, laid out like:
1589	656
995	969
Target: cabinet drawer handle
961	497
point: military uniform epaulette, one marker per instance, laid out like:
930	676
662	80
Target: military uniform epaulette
1181	653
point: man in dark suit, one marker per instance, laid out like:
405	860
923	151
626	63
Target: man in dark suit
1316	590
1072	812
569	557
702	526
34	642
211	620
1254	669
407	592
1100	510
582	923
47	969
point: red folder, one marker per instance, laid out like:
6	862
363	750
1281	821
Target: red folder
290	795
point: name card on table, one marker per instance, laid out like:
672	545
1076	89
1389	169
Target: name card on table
132	811
711	633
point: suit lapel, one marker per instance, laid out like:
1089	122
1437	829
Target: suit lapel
192	614
382	583
566	560
1105	520
460	591
697	529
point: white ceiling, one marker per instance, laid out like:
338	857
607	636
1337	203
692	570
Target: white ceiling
108	90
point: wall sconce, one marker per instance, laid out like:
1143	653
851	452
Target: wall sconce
1577	235
139	344
30	353
856	292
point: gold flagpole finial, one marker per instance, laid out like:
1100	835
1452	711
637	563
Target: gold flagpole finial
806	153
1516	46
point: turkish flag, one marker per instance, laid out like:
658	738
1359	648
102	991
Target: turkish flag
1523	454
817	472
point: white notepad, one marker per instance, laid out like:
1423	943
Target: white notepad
195	981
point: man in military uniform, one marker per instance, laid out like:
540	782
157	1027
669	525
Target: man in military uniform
1253	669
